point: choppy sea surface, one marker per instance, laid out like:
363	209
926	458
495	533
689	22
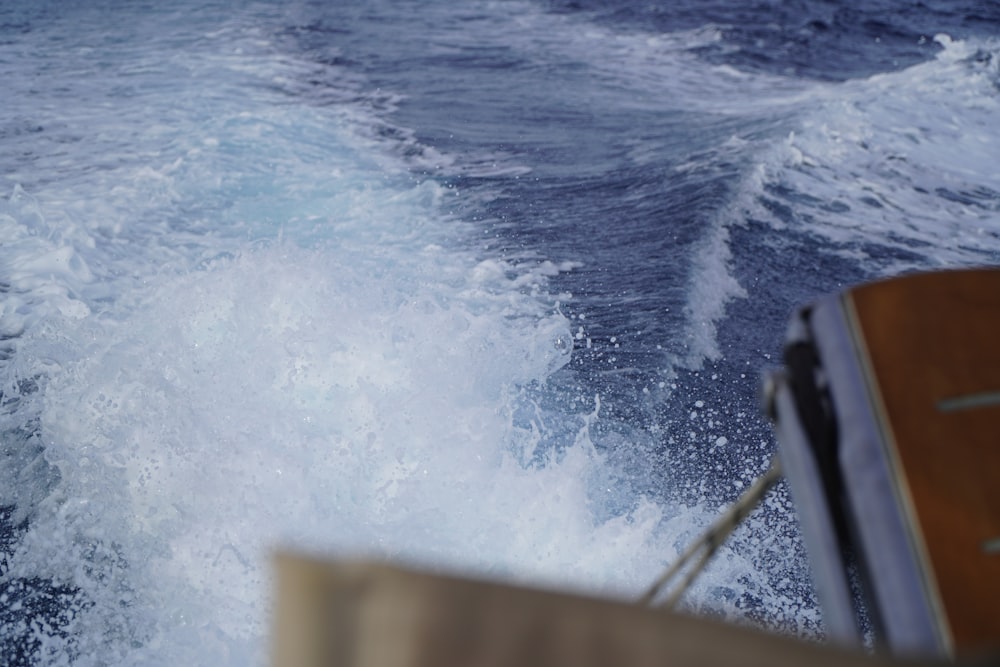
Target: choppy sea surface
482	287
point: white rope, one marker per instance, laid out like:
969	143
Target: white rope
713	538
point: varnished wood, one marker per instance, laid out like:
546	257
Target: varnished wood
932	343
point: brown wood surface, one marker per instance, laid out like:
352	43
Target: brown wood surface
365	615
932	338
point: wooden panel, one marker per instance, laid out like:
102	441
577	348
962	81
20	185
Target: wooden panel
933	348
365	615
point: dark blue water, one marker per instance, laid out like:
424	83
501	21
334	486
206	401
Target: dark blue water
648	190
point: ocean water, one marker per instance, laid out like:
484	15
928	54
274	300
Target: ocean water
483	288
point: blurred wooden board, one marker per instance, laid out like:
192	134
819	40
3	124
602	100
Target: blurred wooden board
931	343
335	614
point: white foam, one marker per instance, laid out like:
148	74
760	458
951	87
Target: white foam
288	397
905	159
246	331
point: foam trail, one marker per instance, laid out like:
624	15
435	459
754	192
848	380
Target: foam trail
242	325
899	168
282	397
